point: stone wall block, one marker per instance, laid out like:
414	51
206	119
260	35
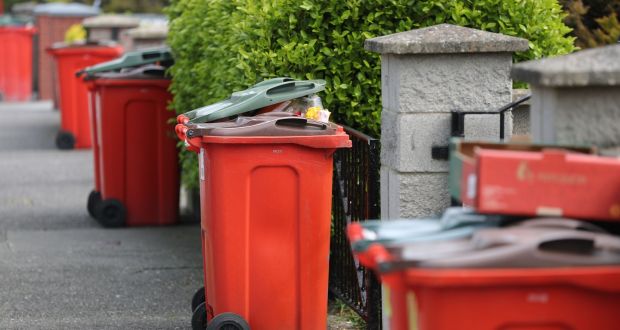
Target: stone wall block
416	194
452	82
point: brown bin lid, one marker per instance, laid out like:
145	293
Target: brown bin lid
536	244
267	124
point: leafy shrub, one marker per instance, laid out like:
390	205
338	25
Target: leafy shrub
594	22
226	45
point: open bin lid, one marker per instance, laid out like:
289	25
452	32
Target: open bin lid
263	94
162	55
543	243
267	124
455	223
66	10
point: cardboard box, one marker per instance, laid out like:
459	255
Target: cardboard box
547	183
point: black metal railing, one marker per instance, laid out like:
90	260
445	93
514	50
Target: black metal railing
355	198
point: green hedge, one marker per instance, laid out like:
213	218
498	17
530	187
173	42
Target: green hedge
594	22
226	45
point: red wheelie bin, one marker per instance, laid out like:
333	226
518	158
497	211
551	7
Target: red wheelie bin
74	123
538	274
265	186
136	166
16	60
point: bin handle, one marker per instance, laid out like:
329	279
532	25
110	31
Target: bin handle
355	232
192	144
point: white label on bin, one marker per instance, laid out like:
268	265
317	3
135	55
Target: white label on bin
471	186
201	164
538	297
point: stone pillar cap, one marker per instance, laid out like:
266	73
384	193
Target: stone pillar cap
445	39
111	21
590	67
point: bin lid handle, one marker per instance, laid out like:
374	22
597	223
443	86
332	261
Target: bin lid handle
562	223
300	122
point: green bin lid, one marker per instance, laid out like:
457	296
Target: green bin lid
131	60
263	94
8	20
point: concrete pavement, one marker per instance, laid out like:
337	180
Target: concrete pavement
58	268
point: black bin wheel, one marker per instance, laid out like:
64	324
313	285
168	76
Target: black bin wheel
65	140
110	213
228	321
199	318
94	198
198	298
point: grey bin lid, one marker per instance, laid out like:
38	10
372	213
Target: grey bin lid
161	55
544	243
111	21
145	72
146	32
263	94
267	124
65	9
455	223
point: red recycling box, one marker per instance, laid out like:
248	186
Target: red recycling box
547	183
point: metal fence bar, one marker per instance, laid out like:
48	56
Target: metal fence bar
355	198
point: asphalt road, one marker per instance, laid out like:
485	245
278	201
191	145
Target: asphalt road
58	268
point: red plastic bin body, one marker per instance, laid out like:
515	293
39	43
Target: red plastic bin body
136	160
266	205
16	63
503	299
74	116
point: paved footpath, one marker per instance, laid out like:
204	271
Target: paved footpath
58	268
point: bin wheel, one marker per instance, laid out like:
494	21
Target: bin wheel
228	321
94	198
199	318
198	298
65	140
110	213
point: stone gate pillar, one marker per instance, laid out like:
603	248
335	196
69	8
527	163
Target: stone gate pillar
426	74
575	98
